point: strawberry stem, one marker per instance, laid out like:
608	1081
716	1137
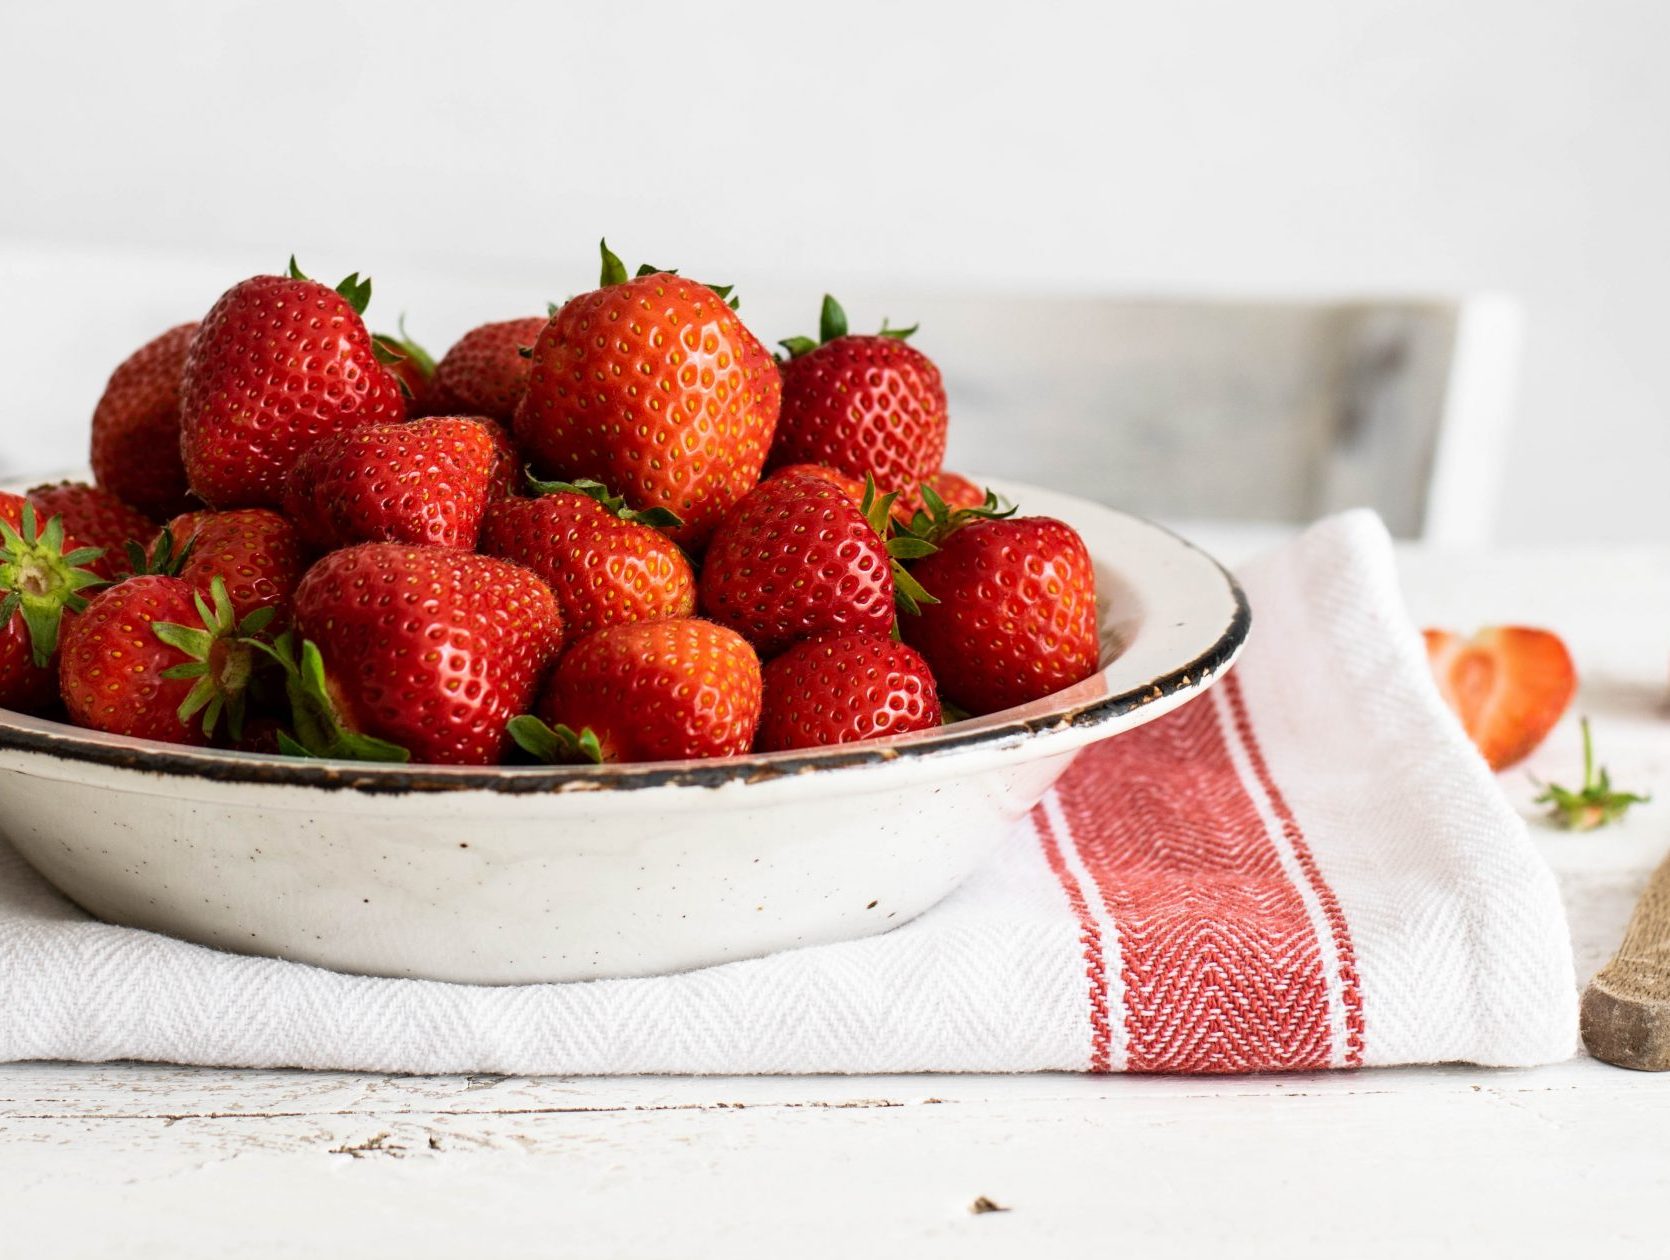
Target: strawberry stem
554	746
1595	804
40	581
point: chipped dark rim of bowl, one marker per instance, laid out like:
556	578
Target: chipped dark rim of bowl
399	779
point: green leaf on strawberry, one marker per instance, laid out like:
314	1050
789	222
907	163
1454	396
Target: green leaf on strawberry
832	326
1595	804
317	726
219	658
356	291
908	593
936	521
614	272
554	745
614	504
41	581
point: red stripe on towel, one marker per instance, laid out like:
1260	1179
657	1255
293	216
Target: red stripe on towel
1090	935
1222	968
1351	990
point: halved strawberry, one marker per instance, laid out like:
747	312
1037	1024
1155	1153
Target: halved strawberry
1508	685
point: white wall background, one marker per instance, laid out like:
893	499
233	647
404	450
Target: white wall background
1195	145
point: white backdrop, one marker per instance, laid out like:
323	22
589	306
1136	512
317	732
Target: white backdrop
1190	145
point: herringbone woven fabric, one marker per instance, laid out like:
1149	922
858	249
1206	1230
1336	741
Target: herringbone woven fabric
1308	867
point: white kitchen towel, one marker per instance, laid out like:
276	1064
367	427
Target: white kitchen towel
1308	867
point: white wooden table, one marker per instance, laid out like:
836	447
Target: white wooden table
141	1160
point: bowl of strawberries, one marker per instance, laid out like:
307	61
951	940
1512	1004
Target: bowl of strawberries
610	644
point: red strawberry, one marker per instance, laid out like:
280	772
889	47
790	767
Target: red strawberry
605	563
666	690
414	370
96	518
796	558
652	386
1016	617
1508	685
423	651
136	427
424	482
865	405
254	551
840	688
279	363
485	373
152	658
852	487
507	465
43	577
956	491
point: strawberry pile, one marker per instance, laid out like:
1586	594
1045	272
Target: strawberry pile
624	531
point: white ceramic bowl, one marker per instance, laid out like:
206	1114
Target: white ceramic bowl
532	874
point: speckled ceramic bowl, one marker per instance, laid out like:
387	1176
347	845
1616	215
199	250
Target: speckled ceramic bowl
511	875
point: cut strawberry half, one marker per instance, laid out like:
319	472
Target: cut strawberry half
1508	685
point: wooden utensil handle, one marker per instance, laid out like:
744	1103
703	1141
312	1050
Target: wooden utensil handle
1626	1010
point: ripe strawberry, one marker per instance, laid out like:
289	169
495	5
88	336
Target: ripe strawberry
796	558
96	518
423	652
1016	617
424	482
256	552
485	373
414	371
279	363
865	405
666	690
43	577
151	658
956	491
136	427
840	688
507	465
1508	685
605	563
652	386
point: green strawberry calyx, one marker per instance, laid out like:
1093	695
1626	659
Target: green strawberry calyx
317	727
165	558
220	658
390	350
41	581
1594	805
355	291
832	326
908	593
614	504
936	520
554	745
614	272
